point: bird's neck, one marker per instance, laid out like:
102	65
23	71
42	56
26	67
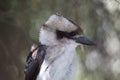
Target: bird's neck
60	62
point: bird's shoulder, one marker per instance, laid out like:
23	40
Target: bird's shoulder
33	63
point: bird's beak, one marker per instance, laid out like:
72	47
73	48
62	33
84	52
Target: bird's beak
83	40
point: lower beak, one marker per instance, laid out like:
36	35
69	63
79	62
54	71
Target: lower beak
83	40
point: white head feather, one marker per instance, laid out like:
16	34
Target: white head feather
55	22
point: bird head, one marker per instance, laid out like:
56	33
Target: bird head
58	28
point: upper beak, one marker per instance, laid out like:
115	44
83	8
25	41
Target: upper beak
83	40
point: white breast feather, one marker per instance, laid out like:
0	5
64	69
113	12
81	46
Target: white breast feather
62	68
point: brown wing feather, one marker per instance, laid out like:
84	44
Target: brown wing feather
32	66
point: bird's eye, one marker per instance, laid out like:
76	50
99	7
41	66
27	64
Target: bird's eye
61	34
72	33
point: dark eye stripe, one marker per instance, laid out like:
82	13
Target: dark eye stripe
61	34
72	33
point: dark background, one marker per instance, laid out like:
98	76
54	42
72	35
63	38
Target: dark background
20	21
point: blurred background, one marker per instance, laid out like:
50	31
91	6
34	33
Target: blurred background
20	21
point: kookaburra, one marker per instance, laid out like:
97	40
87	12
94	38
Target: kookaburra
56	57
